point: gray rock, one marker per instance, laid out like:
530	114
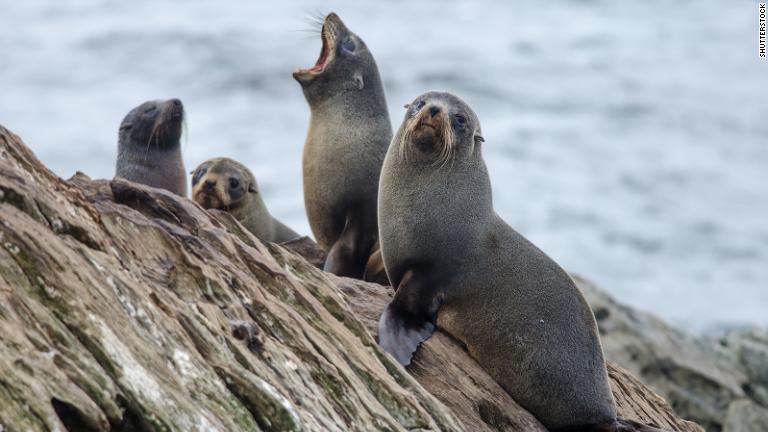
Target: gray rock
746	416
701	376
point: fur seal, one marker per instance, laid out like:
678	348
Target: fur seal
457	265
148	149
225	184
349	132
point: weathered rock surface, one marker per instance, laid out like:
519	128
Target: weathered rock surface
719	382
127	308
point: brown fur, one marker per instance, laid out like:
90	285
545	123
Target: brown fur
212	188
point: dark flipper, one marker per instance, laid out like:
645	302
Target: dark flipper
409	318
349	254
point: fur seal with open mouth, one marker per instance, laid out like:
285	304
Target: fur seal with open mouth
349	132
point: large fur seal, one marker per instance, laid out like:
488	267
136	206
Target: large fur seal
148	149
225	184
349	132
456	264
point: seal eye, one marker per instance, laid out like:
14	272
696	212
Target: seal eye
459	121
198	175
416	108
348	45
150	109
233	183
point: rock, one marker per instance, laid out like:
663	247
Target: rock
701	377
124	307
746	416
307	248
750	348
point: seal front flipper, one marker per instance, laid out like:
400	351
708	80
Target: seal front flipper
400	337
409	319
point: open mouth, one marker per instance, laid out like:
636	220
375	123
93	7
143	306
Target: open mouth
323	58
325	53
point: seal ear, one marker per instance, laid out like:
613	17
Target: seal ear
357	82
252	189
479	139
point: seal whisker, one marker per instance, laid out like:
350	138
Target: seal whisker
149	141
185	130
315	20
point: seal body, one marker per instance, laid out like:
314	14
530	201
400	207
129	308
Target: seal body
349	132
456	264
149	149
225	184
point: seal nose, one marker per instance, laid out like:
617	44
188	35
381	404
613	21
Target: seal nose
433	110
176	109
208	185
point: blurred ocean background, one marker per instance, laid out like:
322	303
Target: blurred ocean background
628	140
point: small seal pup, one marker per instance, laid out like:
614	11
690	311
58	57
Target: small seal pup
456	264
148	149
349	132
225	184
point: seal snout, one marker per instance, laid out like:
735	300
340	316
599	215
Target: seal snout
175	108
332	27
429	132
208	194
430	116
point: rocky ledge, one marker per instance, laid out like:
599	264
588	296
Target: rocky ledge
719	381
126	308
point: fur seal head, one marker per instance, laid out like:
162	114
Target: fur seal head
344	63
439	129
154	124
223	184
